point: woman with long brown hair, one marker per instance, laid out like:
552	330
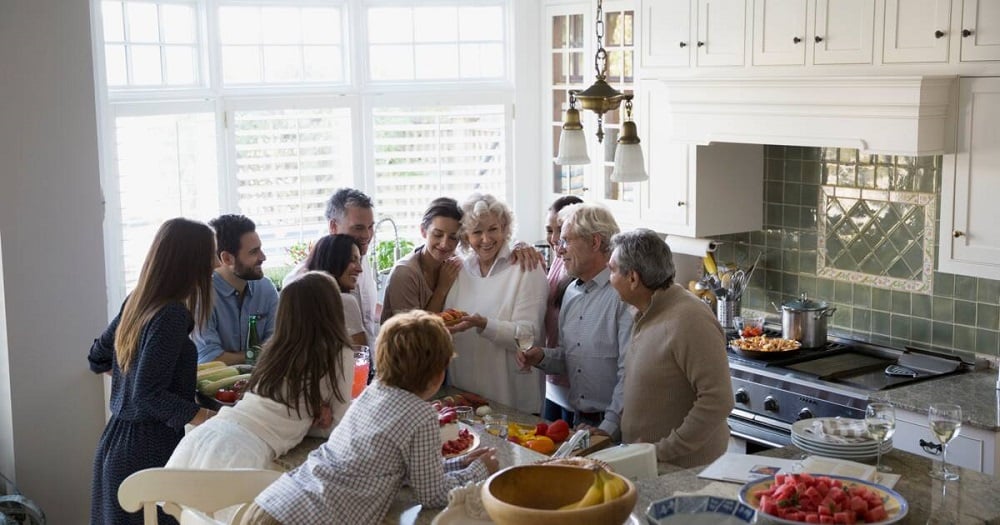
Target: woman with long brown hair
148	351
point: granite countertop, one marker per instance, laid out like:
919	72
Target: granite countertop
974	391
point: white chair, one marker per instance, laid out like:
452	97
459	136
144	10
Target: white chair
190	495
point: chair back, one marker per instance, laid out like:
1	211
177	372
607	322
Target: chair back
206	491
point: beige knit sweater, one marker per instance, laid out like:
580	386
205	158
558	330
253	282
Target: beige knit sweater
677	387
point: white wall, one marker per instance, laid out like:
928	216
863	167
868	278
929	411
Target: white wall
51	213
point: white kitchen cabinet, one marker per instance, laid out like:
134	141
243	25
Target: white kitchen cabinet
666	39
721	32
980	30
696	191
973	448
779	32
844	32
969	237
917	31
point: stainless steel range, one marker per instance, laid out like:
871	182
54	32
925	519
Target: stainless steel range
834	380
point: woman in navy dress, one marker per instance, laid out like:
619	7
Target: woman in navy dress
153	363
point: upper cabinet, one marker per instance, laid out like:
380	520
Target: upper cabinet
684	33
779	32
916	31
844	32
969	238
786	32
980	30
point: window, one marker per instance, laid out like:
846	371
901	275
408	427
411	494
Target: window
569	68
620	46
251	106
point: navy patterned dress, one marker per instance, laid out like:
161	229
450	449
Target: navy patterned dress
149	407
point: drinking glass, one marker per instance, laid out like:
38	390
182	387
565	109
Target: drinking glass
464	414
946	421
524	336
880	418
496	424
362	363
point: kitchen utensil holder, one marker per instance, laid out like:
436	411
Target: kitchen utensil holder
725	310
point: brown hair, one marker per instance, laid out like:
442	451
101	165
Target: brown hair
178	267
305	349
412	348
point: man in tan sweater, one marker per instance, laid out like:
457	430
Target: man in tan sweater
677	387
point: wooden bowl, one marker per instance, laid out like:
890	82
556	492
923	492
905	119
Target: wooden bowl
534	493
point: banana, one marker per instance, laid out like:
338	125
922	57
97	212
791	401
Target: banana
709	262
210	364
594	495
614	486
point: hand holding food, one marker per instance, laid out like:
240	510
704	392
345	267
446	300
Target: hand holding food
451	316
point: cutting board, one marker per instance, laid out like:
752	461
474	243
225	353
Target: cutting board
596	443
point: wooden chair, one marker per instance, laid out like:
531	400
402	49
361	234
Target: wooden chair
190	495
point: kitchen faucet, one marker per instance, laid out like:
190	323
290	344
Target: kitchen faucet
395	234
382	274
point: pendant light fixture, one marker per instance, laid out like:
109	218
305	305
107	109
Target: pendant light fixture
601	98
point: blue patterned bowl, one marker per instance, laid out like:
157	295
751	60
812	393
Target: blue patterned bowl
697	510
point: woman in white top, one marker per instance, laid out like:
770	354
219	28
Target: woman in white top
340	256
498	295
300	379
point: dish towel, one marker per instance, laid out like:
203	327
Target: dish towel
839	430
469	496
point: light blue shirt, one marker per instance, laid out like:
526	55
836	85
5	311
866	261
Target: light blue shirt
595	327
226	329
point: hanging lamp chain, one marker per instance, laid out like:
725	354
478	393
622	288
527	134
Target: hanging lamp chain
601	57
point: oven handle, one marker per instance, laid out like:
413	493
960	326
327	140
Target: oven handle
754	439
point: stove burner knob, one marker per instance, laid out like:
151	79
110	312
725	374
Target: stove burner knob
805	413
742	396
770	404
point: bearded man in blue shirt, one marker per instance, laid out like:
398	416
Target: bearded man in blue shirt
240	291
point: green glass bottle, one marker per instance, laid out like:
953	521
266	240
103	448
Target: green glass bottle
253	342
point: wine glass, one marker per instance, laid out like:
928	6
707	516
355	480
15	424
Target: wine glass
524	336
880	418
946	421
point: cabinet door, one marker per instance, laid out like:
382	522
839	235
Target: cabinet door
666	33
664	200
844	32
721	32
916	31
980	30
779	32
965	450
969	235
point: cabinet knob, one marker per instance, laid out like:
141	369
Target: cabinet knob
680	203
956	234
966	33
938	34
701	44
796	39
818	39
684	44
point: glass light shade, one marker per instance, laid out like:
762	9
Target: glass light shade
572	148
629	164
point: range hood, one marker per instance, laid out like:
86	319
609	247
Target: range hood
901	115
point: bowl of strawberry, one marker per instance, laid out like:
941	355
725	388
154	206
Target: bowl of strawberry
809	498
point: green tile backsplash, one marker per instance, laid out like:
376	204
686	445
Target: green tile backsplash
959	313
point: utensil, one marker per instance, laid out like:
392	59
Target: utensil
804	320
900	371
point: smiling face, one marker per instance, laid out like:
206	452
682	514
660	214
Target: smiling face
487	238
349	278
553	229
247	263
581	254
441	238
358	223
619	282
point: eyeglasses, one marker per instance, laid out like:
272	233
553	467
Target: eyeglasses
563	241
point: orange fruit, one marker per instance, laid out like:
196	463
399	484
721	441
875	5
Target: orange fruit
541	444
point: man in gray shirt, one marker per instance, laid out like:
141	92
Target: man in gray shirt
595	325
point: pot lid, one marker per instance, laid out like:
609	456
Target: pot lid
804	303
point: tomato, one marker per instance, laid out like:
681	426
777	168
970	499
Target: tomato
541	429
226	395
558	430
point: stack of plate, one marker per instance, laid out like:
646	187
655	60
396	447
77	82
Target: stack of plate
832	446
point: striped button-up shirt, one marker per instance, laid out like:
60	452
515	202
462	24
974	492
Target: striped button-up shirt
387	437
595	327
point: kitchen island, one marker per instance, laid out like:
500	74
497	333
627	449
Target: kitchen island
970	500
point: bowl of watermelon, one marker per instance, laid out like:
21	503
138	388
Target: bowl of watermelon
815	498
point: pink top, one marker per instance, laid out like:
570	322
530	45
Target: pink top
557	272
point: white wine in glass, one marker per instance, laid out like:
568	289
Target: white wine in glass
946	421
524	336
880	418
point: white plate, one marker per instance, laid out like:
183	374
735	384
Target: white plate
886	446
838	453
895	504
799	429
475	444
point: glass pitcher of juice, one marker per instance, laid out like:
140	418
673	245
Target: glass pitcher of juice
362	362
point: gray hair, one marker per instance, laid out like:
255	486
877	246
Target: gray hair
646	253
588	219
476	208
337	204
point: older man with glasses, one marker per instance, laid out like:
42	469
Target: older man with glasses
594	322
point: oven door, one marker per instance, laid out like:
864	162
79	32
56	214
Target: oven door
759	432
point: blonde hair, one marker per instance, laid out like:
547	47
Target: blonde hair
588	219
178	267
476	208
412	349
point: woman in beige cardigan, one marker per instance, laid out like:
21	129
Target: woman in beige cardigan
677	387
